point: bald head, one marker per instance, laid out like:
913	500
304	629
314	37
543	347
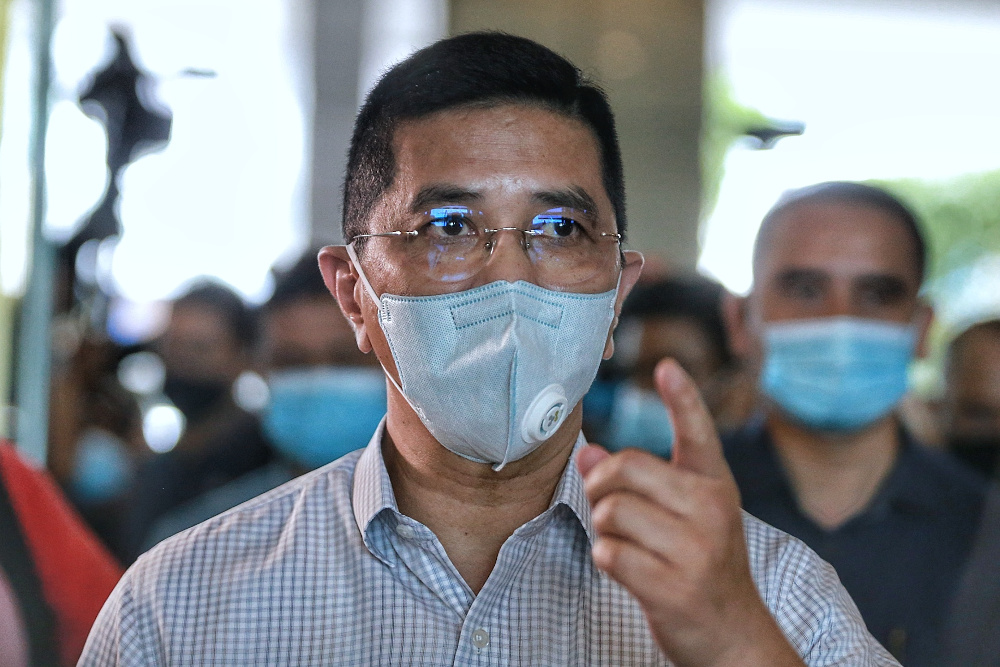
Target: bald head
832	250
853	196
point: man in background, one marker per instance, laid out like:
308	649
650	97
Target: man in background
208	342
325	396
677	316
830	325
970	408
970	424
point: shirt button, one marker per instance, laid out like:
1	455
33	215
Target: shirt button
404	531
480	638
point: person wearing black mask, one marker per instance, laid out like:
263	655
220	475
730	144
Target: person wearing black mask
970	410
325	396
970	423
205	347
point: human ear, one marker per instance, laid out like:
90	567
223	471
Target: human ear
632	268
342	280
736	319
923	321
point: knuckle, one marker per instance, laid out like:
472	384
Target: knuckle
603	517
609	555
717	508
607	513
629	458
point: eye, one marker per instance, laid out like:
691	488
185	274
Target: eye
802	285
559	223
880	291
449	222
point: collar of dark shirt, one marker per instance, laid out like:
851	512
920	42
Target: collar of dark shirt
761	476
372	495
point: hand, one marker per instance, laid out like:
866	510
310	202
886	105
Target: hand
671	533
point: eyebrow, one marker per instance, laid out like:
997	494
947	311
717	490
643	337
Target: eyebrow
796	274
572	197
883	281
443	194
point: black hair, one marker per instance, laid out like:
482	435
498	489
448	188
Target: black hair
301	280
479	69
235	313
689	296
851	193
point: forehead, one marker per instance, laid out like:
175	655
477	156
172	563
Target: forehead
839	239
978	353
506	150
196	318
677	336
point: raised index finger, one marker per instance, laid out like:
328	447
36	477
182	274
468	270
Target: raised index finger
696	444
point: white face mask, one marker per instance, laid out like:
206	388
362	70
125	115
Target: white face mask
494	371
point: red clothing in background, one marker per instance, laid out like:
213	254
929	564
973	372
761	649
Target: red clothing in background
76	572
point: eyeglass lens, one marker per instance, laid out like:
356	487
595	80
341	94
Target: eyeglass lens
455	242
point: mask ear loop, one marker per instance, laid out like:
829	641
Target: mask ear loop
378	302
364	279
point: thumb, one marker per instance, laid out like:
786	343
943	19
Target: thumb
696	444
588	458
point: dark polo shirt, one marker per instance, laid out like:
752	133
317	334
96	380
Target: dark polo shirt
901	558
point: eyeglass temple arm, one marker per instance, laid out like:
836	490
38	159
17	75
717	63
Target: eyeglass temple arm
411	232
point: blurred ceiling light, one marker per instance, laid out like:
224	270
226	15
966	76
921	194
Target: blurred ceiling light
162	427
142	373
75	171
250	392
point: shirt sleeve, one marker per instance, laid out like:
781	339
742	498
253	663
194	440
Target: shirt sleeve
121	635
808	601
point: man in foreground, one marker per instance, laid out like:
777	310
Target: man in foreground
831	324
483	211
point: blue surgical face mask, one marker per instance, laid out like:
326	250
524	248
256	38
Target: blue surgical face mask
316	415
640	419
103	466
494	371
838	373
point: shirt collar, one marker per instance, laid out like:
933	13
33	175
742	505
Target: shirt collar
570	493
372	490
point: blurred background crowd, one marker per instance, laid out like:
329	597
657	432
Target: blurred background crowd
168	349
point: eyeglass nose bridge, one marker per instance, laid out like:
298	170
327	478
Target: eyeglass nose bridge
491	241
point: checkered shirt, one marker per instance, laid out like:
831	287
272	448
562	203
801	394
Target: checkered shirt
325	571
